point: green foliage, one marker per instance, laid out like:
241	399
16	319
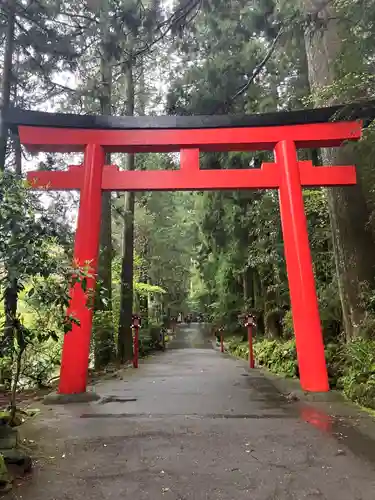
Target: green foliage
103	334
278	357
288	328
141	290
239	257
144	289
35	268
41	363
238	348
165	238
336	365
358	378
27	240
150	339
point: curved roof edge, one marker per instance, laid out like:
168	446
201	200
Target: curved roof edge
365	111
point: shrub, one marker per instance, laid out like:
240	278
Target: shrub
238	348
103	338
150	339
40	364
358	378
146	342
335	359
288	329
278	357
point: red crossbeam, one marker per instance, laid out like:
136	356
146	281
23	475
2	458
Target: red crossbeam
192	179
227	139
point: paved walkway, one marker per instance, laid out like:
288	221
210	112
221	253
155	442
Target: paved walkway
191	424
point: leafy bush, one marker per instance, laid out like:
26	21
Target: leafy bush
40	364
335	359
146	343
103	338
288	329
240	349
33	263
358	379
150	340
278	357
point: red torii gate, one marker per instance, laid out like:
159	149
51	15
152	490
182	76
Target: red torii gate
287	174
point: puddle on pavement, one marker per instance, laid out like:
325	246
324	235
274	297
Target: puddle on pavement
360	444
318	419
343	430
266	393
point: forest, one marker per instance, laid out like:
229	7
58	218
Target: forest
216	253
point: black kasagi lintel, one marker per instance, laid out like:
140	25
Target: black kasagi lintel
15	117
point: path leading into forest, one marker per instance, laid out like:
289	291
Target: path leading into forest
192	424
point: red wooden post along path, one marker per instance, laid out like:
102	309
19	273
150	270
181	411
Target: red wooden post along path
250	324
287	174
135	327
221	333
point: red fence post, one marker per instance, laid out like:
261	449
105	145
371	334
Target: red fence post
76	348
250	323
220	331
135	327
304	302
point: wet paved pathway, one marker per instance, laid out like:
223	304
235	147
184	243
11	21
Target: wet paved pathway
191	424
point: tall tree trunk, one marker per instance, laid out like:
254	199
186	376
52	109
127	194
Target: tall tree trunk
125	338
141	110
104	341
11	292
248	287
353	242
15	137
17	155
9	9
143	300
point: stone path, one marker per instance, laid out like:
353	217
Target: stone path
192	424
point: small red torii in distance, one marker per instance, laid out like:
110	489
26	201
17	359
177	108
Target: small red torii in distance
287	174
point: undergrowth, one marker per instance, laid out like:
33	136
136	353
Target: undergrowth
351	366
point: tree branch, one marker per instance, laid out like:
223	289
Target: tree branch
170	23
255	72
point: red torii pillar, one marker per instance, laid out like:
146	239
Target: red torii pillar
76	347
287	174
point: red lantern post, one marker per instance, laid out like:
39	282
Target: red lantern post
135	327
173	324
250	324
221	330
